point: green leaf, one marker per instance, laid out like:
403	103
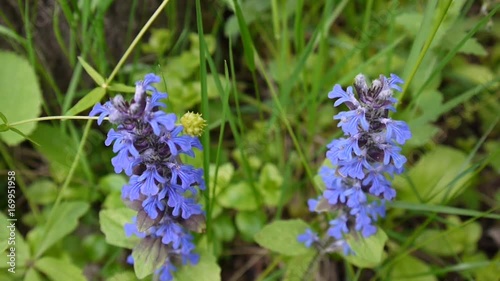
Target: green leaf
223	228
439	243
112	223
58	148
207	269
249	223
224	175
32	275
455	34
64	221
281	236
452	241
88	101
4	119
59	270
112	183
123	276
239	196
4	235
437	177
368	252
98	79
159	41
301	268
22	250
42	192
409	266
13	129
476	74
4	128
20	95
149	255
270	181
119	87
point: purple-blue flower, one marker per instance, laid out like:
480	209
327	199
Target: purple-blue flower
364	161
308	238
147	142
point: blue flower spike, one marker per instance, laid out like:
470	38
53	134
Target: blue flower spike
147	142
364	159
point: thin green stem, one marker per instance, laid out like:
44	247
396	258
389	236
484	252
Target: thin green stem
284	119
425	48
53	118
70	175
136	41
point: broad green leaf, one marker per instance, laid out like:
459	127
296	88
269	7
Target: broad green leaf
281	236
64	221
88	101
149	255
490	272
181	67
113	201
476	74
470	47
43	192
224	175
207	269
223	228
430	103
452	241
58	148
112	183
112	223
239	196
20	95
59	270
17	131
4	235
422	130
123	276
98	79
22	251
159	41
301	268
436	178
270	181
249	223
17	275
368	252
32	275
410	22
409	266
439	243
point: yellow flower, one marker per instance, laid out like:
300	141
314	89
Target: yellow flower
193	124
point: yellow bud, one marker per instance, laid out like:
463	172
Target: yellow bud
193	124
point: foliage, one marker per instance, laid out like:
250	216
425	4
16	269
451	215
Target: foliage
259	72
